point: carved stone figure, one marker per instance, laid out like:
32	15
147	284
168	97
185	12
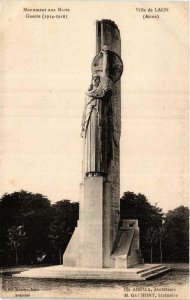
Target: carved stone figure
97	123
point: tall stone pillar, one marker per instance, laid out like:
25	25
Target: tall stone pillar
92	243
107	33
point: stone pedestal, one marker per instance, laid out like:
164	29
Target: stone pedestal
91	230
89	246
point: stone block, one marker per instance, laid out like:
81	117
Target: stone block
91	234
126	250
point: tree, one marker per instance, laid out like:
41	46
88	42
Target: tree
161	233
152	238
33	213
64	220
136	206
176	235
16	237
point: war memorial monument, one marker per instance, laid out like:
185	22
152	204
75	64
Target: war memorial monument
101	239
102	246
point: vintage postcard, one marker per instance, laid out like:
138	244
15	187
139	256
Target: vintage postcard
94	149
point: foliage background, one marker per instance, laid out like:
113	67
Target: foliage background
34	231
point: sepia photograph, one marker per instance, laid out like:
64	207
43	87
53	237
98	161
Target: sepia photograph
94	149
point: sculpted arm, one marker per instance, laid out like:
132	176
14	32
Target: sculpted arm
105	72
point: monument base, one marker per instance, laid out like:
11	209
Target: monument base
142	272
125	253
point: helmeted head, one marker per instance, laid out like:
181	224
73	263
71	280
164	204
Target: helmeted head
95	80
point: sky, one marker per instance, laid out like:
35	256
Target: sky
47	68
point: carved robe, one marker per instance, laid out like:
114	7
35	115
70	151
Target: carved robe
97	128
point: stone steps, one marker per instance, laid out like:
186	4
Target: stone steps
81	275
150	269
145	272
157	273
